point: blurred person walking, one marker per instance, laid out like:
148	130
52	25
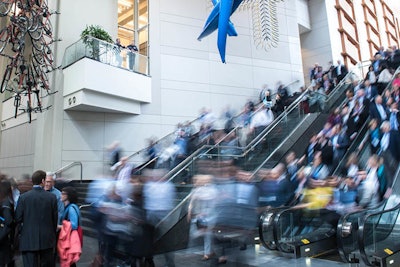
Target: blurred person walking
159	196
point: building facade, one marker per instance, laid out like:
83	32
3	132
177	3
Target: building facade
97	102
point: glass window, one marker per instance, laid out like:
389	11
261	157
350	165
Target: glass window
133	23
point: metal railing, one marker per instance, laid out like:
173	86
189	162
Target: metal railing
106	53
69	166
178	212
168	139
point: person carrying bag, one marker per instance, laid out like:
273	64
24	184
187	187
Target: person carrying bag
70	240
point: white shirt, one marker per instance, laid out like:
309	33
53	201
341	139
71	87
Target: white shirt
385	76
371	182
159	196
385	141
262	118
381	111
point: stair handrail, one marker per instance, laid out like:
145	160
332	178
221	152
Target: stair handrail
259	107
261	136
248	147
70	165
298	100
193	121
199	152
179	166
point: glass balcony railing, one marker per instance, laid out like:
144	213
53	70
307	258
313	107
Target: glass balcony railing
106	53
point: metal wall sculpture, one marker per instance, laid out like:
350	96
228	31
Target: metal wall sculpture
265	22
25	42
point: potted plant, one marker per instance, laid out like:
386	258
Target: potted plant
97	32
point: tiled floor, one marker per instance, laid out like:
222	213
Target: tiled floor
253	256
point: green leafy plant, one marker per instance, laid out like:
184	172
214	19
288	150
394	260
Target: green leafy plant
96	32
91	32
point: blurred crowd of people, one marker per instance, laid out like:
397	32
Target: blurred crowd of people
127	206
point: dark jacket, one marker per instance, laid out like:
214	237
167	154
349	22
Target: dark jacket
36	217
7	231
374	113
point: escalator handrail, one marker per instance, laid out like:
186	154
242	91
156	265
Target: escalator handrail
360	215
294	208
274	211
271	154
277	218
361	230
178	208
363	131
291	107
191	122
361	233
245	150
363	212
294	104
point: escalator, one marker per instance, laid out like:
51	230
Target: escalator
299	231
379	232
290	128
266	223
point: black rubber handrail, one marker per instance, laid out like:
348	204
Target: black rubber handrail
361	231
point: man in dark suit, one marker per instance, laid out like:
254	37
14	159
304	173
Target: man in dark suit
370	90
390	148
377	110
340	72
36	217
394	116
340	143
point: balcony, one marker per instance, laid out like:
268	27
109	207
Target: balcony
100	78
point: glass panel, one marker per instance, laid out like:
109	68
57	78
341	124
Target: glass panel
381	234
266	227
126	21
133	19
106	53
143	11
143	40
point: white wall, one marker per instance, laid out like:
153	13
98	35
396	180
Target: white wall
303	15
18	150
316	45
186	76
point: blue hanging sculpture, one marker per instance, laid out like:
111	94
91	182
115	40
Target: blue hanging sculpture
265	23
